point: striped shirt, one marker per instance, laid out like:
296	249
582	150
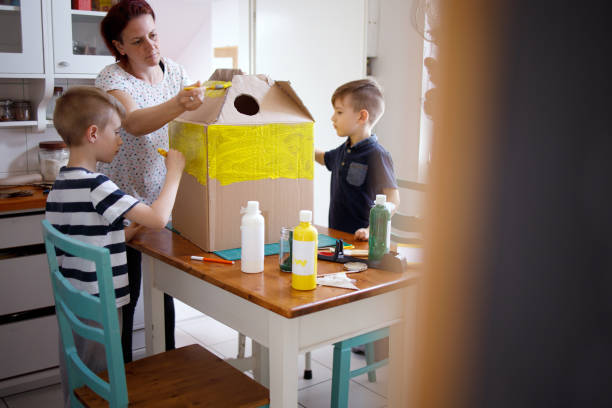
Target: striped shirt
89	207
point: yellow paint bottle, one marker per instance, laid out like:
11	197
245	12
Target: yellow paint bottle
304	261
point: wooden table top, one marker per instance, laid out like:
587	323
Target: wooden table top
270	289
37	200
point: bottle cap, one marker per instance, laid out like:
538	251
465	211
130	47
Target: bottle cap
380	199
252	206
305	216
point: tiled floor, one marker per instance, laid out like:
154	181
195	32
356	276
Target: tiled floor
193	327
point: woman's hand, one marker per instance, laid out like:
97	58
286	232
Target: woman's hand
192	98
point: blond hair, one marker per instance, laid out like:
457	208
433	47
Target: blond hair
365	94
81	107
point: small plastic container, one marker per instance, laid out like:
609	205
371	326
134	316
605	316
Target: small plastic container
52	156
6	110
22	110
284	252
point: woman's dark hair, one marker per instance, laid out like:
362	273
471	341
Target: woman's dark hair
117	18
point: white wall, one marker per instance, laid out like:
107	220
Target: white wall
230	27
185	31
317	45
398	68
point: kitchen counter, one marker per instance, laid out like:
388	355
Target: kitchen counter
36	201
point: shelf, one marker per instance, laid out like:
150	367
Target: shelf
78	76
88	13
21	75
10	8
17	124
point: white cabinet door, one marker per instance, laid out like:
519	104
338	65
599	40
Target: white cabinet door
21	38
78	47
26	284
29	346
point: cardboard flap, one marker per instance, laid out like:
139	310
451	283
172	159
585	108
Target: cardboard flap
286	87
225	74
273	103
207	113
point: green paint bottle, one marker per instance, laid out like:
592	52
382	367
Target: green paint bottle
380	229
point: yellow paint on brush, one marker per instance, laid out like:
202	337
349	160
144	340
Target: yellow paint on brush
162	152
214	89
242	153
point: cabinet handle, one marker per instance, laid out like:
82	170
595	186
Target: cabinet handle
63	63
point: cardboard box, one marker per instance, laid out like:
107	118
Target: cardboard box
251	141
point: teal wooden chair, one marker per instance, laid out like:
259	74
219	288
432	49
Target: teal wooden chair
341	371
183	377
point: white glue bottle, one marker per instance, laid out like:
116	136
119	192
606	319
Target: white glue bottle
252	242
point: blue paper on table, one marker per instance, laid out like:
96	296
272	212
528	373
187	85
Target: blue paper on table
271	249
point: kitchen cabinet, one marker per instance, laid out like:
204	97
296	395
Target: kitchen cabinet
42	41
21	45
78	47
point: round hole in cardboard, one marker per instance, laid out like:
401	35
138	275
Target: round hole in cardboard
246	104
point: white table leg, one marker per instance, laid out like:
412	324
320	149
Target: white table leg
261	364
283	350
153	298
401	352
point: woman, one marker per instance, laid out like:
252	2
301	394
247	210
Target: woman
150	88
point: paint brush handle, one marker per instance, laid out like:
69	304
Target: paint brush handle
201	258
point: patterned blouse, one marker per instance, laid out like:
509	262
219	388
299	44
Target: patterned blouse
138	169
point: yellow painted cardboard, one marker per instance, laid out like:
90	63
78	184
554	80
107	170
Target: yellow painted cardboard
233	157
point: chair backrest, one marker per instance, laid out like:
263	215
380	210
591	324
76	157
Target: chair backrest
404	222
72	305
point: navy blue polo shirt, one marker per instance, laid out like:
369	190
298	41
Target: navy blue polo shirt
358	174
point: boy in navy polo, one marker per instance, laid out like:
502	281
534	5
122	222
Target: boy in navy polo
361	168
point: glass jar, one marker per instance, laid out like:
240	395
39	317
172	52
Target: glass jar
22	110
52	156
6	111
284	251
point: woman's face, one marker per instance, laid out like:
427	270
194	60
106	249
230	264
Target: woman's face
140	42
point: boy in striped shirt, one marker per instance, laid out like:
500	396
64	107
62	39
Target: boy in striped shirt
91	208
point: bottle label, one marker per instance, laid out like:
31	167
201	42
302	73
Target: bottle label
303	258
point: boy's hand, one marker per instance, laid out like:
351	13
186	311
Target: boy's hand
362	234
175	161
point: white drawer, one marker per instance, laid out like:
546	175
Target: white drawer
25	284
28	346
22	230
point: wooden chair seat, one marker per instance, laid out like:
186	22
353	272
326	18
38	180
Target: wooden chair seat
185	377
